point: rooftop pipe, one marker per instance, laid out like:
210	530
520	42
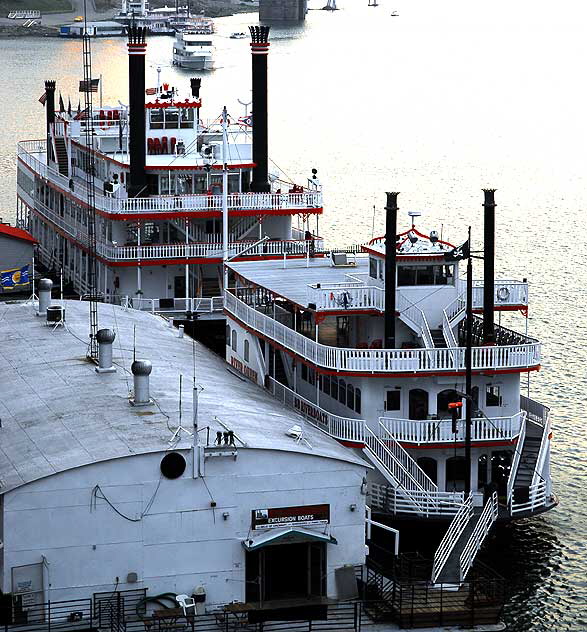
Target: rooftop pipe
390	268
50	114
137	48
489	267
259	52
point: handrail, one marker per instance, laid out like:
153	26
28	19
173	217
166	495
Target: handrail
382	360
516	462
392	500
486	519
441	431
537	412
412	312
451	537
190	203
542	453
537	497
336	426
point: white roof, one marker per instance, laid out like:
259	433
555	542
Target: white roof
57	413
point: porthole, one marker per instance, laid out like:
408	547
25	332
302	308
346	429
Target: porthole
172	465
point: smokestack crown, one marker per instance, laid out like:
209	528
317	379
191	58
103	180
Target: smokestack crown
50	85
259	40
489	197
196	84
137	44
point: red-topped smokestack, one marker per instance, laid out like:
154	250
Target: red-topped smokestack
137	48
50	114
390	268
489	266
260	50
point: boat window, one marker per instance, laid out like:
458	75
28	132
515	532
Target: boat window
200	184
171	118
156	119
246	350
358	400
392	400
304	373
429	466
326	384
342	392
493	395
373	267
350	396
186	118
334	388
425	275
234	340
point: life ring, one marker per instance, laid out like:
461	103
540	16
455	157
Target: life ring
503	293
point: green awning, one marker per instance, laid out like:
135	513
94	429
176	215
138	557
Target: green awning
286	535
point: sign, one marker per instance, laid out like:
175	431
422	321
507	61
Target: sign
312	412
307	516
244	369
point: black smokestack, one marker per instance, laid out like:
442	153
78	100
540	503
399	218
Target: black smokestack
390	267
196	84
137	47
50	113
260	50
489	266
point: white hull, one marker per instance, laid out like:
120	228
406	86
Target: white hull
194	63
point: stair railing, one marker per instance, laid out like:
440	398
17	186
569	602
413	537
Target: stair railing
486	519
542	453
417	317
516	460
456	310
451	537
447	331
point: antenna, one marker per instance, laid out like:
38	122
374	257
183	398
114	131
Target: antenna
88	120
177	434
134	343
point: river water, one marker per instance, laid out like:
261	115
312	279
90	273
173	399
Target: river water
436	103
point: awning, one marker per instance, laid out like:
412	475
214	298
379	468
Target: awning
287	535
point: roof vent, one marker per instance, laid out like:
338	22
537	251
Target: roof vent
45	287
141	369
105	338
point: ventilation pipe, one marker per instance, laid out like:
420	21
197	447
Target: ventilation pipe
489	267
259	53
137	48
105	338
390	268
50	114
45	287
141	369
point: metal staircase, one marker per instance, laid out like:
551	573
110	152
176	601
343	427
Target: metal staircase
438	338
528	456
61	155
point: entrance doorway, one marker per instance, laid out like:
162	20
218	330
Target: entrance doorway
289	572
418	404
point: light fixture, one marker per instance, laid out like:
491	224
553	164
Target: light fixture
433	236
353	507
225	515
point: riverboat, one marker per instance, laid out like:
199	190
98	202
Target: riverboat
173	194
161	21
193	49
394	354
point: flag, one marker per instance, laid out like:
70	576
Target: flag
246	120
61	104
43	98
15	277
89	86
458	253
151	91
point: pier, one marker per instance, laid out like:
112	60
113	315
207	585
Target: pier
282	10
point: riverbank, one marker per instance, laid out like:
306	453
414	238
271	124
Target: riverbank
50	23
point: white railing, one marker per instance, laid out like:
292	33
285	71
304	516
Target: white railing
337	296
506	293
200	305
538	497
486	519
542	454
440	431
383	360
516	462
193	203
447	331
451	537
536	412
336	426
407	310
389	499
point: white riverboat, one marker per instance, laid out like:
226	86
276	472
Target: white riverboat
193	49
159	241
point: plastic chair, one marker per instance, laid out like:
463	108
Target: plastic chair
186	602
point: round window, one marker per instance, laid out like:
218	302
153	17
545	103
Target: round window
172	465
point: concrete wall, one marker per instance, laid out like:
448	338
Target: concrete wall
182	542
282	10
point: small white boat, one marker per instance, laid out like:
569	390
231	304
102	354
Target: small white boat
238	35
194	50
394	14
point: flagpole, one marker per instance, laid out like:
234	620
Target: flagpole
100	89
468	353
